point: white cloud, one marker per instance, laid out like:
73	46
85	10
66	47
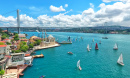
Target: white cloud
56	9
88	12
66	5
91	5
117	13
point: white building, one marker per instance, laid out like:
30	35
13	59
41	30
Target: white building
2	51
16	59
50	40
3	59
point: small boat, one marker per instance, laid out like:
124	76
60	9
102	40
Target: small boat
88	48
120	60
96	47
42	77
70	53
100	42
104	37
115	47
66	42
93	40
78	65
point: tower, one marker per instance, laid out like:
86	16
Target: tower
18	21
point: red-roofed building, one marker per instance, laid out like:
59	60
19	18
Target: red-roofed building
3	45
26	40
2	41
7	40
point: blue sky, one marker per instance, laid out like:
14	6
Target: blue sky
66	13
43	5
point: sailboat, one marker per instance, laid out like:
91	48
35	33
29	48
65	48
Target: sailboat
88	48
115	47
96	47
120	60
78	65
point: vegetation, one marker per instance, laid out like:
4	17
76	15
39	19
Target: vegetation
23	46
3	37
31	46
2	72
16	37
8	43
1	43
38	42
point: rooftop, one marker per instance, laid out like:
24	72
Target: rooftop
2	41
6	39
3	45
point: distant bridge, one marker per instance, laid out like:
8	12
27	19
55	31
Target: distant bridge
44	27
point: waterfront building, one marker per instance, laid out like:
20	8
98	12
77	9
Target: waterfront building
28	60
16	59
50	40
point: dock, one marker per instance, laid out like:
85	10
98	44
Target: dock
14	72
38	56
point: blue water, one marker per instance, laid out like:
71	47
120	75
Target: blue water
95	64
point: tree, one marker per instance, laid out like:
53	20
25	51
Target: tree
8	43
34	43
1	43
17	51
31	46
3	37
38	42
16	37
2	72
24	48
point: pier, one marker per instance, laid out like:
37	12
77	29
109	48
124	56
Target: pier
38	56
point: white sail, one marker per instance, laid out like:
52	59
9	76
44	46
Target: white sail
88	48
78	63
120	59
115	46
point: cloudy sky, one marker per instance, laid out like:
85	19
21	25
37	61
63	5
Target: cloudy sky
65	13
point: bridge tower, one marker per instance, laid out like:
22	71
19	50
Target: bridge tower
18	21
